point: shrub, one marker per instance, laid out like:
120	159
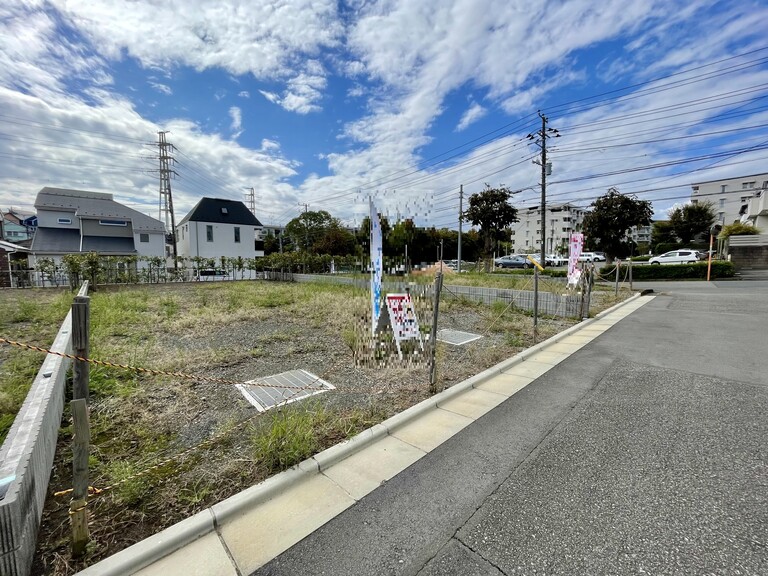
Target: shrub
720	269
738	229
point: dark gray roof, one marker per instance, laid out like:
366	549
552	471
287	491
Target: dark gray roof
94	205
56	240
220	211
107	245
62	241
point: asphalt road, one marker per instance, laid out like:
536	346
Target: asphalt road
643	453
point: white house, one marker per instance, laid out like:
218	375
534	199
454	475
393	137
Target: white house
216	227
78	221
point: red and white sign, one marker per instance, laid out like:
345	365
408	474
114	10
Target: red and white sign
402	317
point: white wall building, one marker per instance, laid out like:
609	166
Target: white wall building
216	227
731	197
78	221
561	221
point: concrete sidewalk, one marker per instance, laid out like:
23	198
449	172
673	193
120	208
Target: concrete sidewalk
643	452
247	531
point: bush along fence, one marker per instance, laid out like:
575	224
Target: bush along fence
720	269
98	269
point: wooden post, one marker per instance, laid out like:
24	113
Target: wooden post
435	314
81	319
78	513
618	273
630	274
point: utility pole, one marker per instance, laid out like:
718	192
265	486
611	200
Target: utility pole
461	219
166	198
306	226
540	139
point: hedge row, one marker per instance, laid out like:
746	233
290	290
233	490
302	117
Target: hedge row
720	269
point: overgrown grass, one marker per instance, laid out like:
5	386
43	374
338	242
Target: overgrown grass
30	316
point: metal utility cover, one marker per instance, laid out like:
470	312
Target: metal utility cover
456	337
280	389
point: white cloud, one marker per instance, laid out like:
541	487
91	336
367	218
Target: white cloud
237	122
244	94
164	88
300	96
267	145
473	113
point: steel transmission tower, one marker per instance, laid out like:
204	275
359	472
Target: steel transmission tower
250	198
167	161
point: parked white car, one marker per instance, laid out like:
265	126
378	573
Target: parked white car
592	257
555	260
676	257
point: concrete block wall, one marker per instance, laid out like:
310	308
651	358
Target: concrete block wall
26	457
755	257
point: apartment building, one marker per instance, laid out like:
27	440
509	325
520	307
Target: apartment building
731	197
561	221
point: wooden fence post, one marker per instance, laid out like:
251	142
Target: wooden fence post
81	319
78	512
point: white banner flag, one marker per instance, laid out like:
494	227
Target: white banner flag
574	251
376	267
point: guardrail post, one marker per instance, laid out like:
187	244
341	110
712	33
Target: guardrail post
78	512
618	273
81	319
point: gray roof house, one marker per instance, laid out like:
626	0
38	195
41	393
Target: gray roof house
78	221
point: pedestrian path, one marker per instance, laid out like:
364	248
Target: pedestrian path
246	531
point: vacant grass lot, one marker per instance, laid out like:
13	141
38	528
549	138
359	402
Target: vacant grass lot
238	331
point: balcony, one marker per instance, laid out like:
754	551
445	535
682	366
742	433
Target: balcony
756	205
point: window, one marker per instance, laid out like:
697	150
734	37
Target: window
722	202
721	216
694	201
747	185
745	198
143	237
65	220
113	222
526	233
208	233
695	188
723	187
237	234
224	211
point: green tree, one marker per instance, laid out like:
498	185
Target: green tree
662	233
491	210
692	220
611	217
335	241
308	227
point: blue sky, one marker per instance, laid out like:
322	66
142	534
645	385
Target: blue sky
325	103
